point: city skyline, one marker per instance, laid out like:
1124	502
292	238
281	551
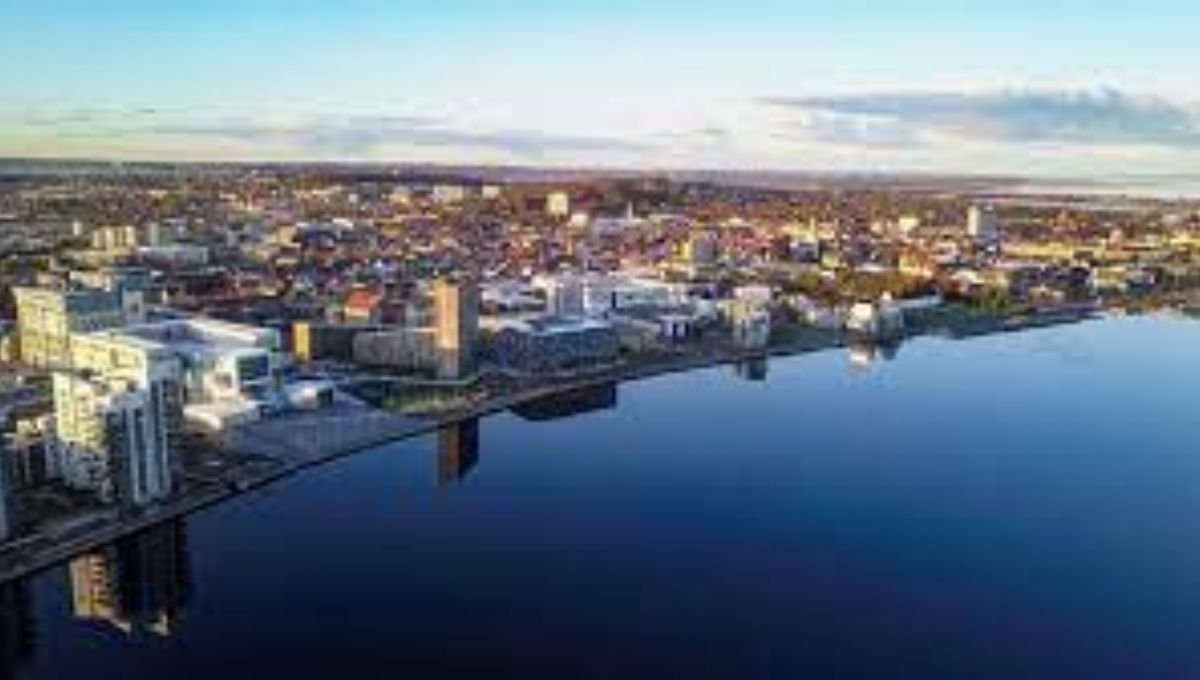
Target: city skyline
934	86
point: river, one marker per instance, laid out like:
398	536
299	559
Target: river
1023	504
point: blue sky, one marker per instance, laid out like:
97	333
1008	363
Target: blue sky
1042	87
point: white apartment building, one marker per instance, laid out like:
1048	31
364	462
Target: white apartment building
115	441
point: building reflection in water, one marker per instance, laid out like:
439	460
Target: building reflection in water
458	451
752	370
17	629
866	355
139	585
569	403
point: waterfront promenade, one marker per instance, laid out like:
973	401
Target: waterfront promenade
278	448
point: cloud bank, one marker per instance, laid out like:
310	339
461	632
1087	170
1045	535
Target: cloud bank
346	137
1105	117
1083	132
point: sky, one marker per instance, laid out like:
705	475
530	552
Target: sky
1032	87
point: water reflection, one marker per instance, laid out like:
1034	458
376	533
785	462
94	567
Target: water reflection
865	356
139	585
17	630
458	451
569	403
751	370
788	543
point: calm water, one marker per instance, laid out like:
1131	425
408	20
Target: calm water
1019	505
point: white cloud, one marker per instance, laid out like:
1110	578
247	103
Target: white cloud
1104	117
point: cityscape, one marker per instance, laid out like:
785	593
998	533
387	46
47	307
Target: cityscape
886	382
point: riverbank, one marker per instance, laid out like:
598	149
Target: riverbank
287	446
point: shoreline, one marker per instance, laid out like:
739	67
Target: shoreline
18	565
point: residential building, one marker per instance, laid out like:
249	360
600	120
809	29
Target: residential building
114	442
31	451
117	358
48	318
363	307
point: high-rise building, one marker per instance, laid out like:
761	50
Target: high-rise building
48	318
114	442
558	204
456	320
128	360
140	584
983	225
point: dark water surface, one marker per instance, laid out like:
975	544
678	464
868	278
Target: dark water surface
1017	505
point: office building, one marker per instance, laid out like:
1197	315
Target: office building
314	341
221	373
552	343
220	361
411	349
456	319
